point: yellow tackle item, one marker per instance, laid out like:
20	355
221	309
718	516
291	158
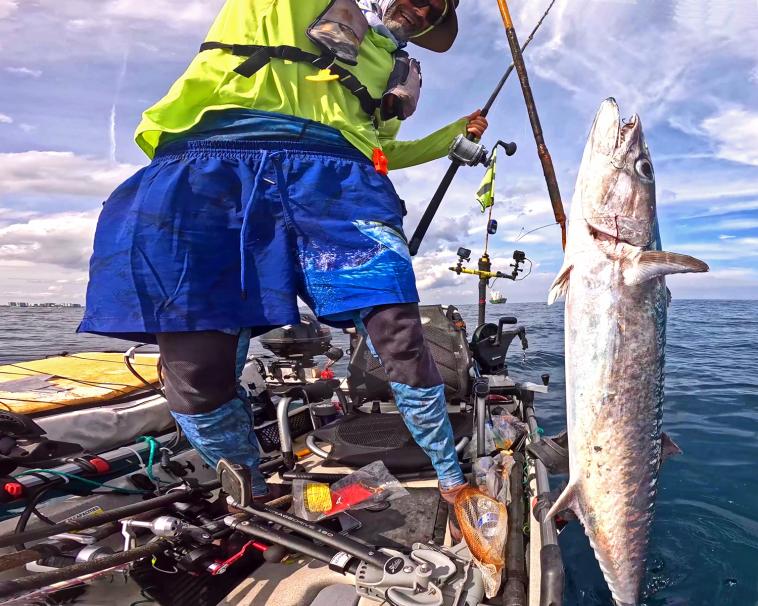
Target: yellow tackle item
323	75
317	497
71	381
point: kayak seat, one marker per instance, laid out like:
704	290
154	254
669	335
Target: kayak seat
367	381
358	438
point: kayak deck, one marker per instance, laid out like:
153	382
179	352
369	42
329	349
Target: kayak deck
70	381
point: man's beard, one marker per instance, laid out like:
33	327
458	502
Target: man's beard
400	28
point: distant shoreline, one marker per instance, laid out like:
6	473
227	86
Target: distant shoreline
27	305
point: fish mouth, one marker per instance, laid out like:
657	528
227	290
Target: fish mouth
606	129
630	131
620	154
612	136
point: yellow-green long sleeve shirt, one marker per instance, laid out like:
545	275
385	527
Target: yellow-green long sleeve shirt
210	83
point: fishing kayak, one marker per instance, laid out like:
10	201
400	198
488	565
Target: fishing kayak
150	511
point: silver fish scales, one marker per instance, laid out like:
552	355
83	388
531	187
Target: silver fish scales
613	279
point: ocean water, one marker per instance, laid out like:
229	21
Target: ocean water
704	549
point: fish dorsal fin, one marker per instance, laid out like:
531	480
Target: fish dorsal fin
560	285
652	263
568	500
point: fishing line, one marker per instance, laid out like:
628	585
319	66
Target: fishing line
522	234
139	458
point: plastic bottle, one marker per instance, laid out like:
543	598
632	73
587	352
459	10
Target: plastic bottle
480	469
484	524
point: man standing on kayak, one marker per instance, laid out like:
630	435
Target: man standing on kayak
268	182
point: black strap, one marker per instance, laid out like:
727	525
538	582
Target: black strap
258	56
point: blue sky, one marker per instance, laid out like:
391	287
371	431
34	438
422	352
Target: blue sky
75	76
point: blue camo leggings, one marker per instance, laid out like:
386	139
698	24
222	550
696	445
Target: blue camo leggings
201	370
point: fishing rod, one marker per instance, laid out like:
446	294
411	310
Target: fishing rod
547	162
182	493
22	585
455	164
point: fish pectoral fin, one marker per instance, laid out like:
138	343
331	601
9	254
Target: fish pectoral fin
567	500
669	448
560	285
652	263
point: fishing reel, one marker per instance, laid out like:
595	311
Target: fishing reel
467	152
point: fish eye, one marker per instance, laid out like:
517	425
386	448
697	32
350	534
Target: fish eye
644	169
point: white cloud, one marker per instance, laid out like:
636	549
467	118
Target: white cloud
735	133
81	25
713	190
163	11
437	284
7	8
56	173
81	14
726	283
744	249
95	32
61	239
13	215
433	273
5	119
44	284
732	207
650	59
24	71
727	225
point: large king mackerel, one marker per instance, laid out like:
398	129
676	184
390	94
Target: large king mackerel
615	330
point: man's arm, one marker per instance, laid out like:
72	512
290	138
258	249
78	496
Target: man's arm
402	154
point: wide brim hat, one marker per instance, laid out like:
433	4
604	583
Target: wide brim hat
440	37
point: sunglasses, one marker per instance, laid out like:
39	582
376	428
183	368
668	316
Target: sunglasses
434	15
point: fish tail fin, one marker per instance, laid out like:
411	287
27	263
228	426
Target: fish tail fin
567	500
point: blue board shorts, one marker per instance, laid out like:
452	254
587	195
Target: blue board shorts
225	235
